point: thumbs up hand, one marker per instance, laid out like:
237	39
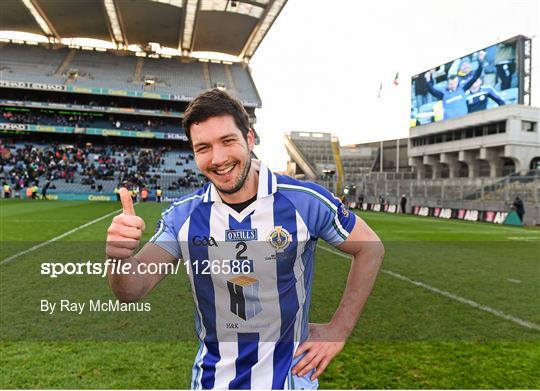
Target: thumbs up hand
125	231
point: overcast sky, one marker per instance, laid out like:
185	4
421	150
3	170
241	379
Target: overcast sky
320	66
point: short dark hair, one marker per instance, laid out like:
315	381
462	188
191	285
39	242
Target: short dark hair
215	103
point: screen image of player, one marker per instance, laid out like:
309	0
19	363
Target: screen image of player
478	81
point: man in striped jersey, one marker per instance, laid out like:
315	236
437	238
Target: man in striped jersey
249	237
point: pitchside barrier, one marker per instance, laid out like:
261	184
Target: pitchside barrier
75	196
60	196
486	216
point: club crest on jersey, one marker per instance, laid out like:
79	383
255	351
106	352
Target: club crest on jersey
344	210
244	294
279	238
240	235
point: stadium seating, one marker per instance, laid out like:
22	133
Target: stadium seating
109	121
501	189
451	191
358	162
243	83
97	68
176	172
174	76
31	63
317	151
218	76
94	69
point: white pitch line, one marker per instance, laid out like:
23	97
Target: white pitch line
449	295
43	244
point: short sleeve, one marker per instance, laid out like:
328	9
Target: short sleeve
336	222
166	237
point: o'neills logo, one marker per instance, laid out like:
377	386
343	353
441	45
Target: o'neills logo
240	235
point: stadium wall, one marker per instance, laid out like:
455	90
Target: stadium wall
495	194
531	217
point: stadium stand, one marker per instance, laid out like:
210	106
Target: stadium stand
242	83
378	173
90	69
95	69
17	63
84	95
89	102
87	168
358	161
174	76
317	148
218	77
91	120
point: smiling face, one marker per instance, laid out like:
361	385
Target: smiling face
222	153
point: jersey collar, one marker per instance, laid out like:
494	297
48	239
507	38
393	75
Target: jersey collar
266	187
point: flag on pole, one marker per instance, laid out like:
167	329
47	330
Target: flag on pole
396	79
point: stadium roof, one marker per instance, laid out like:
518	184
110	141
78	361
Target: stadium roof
234	28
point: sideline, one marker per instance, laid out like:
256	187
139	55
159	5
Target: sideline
462	300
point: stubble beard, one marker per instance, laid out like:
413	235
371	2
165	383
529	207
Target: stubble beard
240	182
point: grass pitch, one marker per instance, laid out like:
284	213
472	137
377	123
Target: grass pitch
445	311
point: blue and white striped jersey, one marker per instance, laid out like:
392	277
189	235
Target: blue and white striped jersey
252	314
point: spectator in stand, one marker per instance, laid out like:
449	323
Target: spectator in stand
86	164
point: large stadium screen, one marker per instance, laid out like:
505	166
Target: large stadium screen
478	81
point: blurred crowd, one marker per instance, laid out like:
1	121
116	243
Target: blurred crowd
43	166
90	120
95	101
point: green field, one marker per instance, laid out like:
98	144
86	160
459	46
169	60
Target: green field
455	306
